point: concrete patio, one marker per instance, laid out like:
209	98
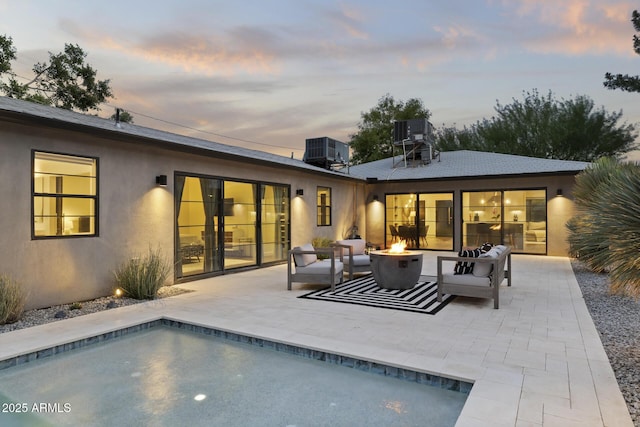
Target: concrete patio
537	361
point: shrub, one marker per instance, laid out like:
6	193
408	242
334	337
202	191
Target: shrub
141	277
321	242
605	232
12	300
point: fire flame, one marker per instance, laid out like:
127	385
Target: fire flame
398	248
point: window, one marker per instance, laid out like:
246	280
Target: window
324	205
65	195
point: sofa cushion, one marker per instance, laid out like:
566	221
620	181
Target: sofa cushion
358	245
466	267
302	260
358	260
466	279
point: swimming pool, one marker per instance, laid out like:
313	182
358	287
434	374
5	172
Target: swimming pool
171	373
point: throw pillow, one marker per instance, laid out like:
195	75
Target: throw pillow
466	267
483	269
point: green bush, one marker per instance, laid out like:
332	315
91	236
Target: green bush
605	232
12	300
321	242
142	277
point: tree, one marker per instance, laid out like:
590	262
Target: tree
545	127
64	81
122	116
627	82
373	141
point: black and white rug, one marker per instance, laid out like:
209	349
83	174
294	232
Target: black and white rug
422	298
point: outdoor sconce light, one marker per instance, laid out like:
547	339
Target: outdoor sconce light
300	192
559	192
375	197
161	180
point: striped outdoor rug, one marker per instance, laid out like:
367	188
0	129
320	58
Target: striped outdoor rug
422	298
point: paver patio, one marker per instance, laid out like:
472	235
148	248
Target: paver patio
537	361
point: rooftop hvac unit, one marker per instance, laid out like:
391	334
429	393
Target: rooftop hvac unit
414	129
326	152
416	139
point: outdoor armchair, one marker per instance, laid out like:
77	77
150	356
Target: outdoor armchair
304	265
353	255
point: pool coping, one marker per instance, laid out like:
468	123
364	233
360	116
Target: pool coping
345	360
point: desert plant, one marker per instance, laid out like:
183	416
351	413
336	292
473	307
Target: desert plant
140	277
12	300
605	232
75	306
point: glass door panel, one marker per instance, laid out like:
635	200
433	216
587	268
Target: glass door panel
239	224
274	223
197	201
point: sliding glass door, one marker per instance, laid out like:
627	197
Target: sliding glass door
423	220
223	224
517	218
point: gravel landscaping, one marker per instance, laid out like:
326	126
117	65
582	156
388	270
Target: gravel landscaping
617	319
65	311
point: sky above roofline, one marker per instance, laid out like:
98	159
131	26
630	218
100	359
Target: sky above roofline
292	70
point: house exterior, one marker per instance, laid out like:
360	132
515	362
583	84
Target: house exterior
84	194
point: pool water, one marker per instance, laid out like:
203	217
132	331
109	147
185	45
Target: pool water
164	376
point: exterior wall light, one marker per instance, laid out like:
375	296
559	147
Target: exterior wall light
559	192
300	192
161	180
375	198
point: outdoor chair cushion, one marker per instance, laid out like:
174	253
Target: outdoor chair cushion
302	260
322	267
358	245
358	260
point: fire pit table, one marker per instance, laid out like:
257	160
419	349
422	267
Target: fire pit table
396	270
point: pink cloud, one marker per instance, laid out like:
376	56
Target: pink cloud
578	26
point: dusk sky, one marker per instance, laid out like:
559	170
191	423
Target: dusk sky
266	75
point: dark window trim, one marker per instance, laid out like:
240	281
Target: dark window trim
319	223
96	197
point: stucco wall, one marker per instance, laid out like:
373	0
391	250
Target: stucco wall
134	213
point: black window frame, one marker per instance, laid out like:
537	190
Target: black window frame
95	197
